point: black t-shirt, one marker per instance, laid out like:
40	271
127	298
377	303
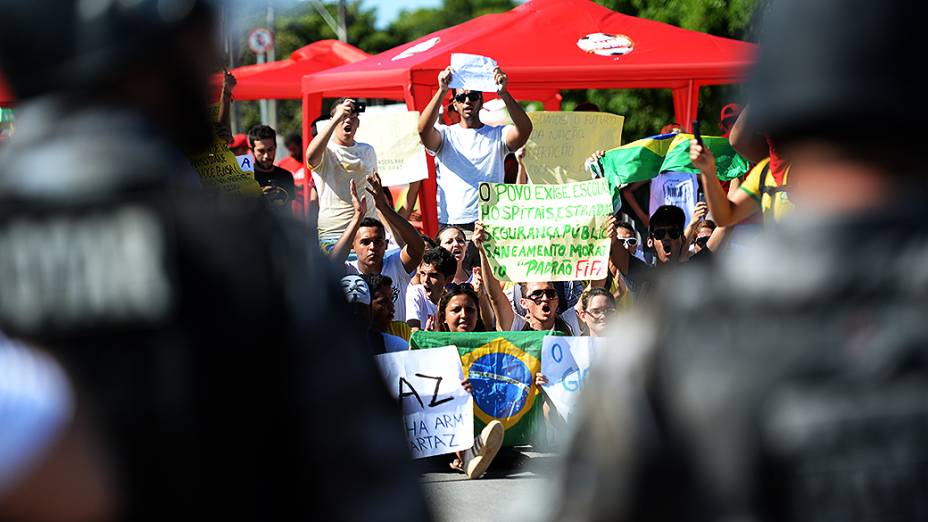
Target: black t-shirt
282	181
704	256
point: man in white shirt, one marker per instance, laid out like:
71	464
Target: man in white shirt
336	159
367	236
469	152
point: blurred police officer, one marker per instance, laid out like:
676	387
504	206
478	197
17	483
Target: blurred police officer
792	385
200	338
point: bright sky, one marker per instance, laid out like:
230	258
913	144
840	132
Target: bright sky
387	10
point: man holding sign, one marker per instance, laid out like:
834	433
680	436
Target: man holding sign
469	152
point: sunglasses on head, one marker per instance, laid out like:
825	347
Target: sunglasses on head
536	296
629	241
472	96
662	233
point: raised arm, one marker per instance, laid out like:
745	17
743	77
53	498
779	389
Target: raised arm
628	194
725	212
343	246
617	252
750	145
316	148
430	137
517	135
699	213
413	247
498	301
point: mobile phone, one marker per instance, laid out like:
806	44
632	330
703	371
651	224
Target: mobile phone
696	134
359	106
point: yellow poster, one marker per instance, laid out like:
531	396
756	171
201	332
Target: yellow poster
219	170
562	141
547	232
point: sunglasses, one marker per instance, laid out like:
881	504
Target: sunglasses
598	313
537	295
452	287
629	241
702	241
662	233
472	96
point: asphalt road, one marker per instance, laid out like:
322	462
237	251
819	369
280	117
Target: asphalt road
514	488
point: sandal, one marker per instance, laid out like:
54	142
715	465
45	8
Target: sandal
457	465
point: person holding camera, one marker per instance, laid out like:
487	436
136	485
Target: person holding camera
336	160
276	182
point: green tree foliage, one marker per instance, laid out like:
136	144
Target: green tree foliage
646	111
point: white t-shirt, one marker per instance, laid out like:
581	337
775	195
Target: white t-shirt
466	158
332	178
394	269
393	343
674	188
418	305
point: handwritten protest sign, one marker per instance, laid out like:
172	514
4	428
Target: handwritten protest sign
473	72
566	362
219	169
219	172
438	414
400	153
562	141
246	163
547	232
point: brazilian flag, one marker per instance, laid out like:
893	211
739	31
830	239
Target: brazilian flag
501	367
644	159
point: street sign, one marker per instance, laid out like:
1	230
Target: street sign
260	40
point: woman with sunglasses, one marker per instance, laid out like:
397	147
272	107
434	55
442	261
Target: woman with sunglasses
598	308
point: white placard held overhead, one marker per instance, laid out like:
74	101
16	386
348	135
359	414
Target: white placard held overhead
473	72
438	415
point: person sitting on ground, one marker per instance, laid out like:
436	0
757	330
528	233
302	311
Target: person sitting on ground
368	238
469	152
381	288
336	159
539	299
435	271
458	311
276	183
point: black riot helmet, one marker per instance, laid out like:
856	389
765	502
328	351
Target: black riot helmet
67	45
839	70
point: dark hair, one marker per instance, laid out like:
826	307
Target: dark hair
373	222
336	103
446	227
442	260
706	223
626	226
260	132
377	282
667	216
454	291
589	294
586	107
294	137
429	242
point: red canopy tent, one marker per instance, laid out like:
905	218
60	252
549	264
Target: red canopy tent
544	46
280	80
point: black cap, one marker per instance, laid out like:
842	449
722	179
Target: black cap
668	216
834	68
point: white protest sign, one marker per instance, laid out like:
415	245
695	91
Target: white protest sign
438	414
566	362
392	133
246	163
473	72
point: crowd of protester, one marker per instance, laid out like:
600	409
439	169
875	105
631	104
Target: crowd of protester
120	368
